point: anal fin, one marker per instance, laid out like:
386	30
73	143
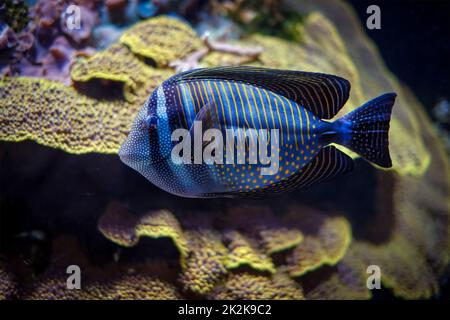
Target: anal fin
328	163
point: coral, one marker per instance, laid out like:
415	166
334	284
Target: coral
162	223
345	281
236	54
110	282
46	46
161	39
205	264
406	279
7	283
408	236
14	13
136	287
74	123
121	227
246	286
208	255
325	241
327	252
275	240
263	227
128	287
243	252
117	64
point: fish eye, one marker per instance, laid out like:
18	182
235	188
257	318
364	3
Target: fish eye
152	121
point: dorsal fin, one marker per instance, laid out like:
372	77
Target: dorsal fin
322	94
328	163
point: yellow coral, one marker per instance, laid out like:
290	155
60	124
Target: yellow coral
246	286
322	50
162	39
279	239
205	265
324	246
132	287
116	63
243	252
163	223
7	283
128	287
58	116
119	226
410	230
346	281
110	282
260	223
413	201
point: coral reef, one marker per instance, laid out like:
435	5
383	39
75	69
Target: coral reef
111	282
46	46
246	286
320	37
77	124
325	242
7	283
281	250
209	254
115	64
15	14
412	219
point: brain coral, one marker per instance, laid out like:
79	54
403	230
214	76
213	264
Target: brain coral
274	252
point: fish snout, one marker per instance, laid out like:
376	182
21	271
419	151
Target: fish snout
134	150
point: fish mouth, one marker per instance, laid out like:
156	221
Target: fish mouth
129	157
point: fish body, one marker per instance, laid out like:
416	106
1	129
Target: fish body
288	110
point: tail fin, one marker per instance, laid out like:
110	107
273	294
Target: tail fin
367	129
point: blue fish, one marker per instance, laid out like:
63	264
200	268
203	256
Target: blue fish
282	132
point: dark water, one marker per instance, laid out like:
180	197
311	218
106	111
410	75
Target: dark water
413	41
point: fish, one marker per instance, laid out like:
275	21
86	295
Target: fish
261	132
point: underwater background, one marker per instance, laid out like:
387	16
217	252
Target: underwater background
68	98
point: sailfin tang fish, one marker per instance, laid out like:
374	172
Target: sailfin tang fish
282	119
